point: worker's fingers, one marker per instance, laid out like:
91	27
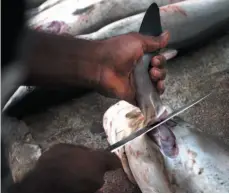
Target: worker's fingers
151	43
158	61
157	71
157	74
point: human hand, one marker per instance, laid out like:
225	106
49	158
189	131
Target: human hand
69	168
121	54
105	65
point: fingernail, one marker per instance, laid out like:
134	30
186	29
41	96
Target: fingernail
156	73
156	61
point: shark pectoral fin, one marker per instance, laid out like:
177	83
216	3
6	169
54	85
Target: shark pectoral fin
169	53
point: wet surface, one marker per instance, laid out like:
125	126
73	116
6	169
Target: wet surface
199	73
189	77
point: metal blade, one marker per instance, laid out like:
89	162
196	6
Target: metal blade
146	129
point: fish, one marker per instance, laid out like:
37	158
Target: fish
22	104
22	101
190	23
198	158
82	3
88	16
209	18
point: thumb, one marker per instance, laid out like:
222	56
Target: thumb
152	43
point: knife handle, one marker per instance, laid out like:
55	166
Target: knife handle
147	95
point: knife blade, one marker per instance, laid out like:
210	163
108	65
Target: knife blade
148	128
147	95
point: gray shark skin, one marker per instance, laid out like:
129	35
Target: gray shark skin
90	16
190	23
198	163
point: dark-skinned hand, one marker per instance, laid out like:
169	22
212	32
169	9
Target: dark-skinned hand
104	65
68	168
121	54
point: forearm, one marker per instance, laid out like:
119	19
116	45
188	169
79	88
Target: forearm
58	60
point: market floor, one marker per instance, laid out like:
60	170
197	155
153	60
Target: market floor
189	77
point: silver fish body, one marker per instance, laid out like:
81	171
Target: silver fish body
189	22
200	163
49	19
89	16
203	158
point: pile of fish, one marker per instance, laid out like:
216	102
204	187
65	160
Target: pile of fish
89	16
190	22
199	164
195	162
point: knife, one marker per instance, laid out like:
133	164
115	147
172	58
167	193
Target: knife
148	98
147	95
148	128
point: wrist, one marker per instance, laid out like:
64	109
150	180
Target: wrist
58	60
